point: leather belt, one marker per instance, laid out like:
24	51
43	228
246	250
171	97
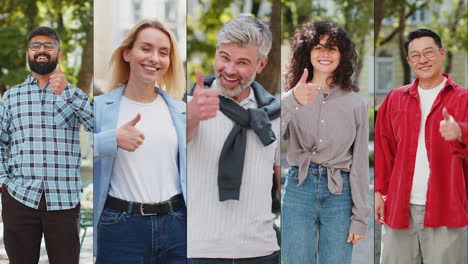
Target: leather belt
161	208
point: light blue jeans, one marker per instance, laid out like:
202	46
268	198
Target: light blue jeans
315	223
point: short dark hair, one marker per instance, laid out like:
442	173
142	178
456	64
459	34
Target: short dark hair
43	31
422	32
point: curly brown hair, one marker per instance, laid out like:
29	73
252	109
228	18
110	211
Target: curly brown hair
307	37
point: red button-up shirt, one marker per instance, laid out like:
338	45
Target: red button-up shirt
396	141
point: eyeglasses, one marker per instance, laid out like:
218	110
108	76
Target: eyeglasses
427	53
49	46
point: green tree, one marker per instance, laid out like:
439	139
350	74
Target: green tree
449	21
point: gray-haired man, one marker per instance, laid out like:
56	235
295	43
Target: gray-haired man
232	132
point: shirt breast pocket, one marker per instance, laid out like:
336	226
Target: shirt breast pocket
63	116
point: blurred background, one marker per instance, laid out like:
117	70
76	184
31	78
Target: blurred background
114	18
356	18
394	19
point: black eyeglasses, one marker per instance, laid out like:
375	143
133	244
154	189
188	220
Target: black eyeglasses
49	46
427	53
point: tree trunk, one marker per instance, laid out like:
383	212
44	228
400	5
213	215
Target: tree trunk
270	77
85	75
453	28
379	11
401	42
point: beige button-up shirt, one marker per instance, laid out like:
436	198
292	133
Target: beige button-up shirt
332	131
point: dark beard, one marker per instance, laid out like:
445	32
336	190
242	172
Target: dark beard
42	67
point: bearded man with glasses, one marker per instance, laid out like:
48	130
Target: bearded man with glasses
40	157
421	161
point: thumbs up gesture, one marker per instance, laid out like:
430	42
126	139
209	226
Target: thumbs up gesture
305	93
449	129
128	137
205	102
58	81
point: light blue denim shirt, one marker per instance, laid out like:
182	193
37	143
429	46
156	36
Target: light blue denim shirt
106	109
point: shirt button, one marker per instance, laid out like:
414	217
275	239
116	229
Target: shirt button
297	108
315	153
323	102
320	140
323	121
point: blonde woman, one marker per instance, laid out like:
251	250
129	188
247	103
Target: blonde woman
140	139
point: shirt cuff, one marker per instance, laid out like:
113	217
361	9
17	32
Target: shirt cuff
289	102
358	228
461	147
107	143
67	93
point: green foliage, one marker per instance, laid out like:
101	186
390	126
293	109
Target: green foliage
443	18
70	19
202	34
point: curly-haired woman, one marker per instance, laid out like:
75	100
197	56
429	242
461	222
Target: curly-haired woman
324	205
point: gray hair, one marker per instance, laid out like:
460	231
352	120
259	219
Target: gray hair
246	30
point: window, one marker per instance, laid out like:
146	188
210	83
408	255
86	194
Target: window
384	65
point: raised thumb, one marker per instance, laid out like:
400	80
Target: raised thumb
135	120
58	69
447	116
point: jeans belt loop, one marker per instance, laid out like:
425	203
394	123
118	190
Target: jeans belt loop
171	210
130	206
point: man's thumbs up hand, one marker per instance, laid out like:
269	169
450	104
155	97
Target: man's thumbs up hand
449	129
58	81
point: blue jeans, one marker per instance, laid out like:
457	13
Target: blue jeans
125	238
271	259
315	223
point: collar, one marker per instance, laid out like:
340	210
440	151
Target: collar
31	79
437	88
249	100
413	88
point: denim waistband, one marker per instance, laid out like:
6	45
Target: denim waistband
315	168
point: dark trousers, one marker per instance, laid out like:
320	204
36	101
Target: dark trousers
23	228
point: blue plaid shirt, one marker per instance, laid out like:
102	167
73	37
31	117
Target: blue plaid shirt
40	144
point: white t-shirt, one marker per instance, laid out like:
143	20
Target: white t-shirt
150	173
421	168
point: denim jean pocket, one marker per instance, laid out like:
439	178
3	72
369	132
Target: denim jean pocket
180	214
110	217
293	173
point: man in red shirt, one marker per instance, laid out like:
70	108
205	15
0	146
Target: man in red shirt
421	161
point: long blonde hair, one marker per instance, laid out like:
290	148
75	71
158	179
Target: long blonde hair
173	81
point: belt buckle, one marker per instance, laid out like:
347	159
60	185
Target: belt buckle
145	214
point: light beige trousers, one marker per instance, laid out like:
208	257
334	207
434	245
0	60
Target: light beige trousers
441	245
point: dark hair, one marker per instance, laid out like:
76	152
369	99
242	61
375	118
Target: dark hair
422	32
43	31
307	37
